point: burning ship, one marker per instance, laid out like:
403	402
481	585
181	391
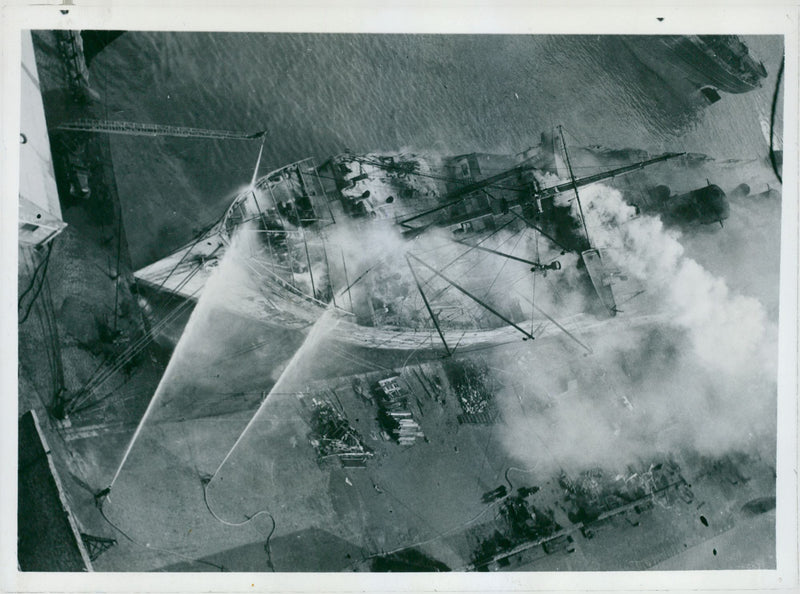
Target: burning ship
405	249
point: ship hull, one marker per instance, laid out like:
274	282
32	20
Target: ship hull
704	66
688	65
294	246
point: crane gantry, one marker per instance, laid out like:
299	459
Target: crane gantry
138	129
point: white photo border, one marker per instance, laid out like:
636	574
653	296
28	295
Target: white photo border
431	16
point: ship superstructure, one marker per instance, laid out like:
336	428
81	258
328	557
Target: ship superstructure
409	249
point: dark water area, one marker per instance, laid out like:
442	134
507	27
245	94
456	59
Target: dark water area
318	94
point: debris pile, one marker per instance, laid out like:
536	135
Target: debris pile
473	386
519	527
594	496
395	415
333	436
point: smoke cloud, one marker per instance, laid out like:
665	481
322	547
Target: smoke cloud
702	378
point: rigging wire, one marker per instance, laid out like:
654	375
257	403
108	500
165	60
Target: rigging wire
138	345
38	290
480	260
486	294
574	186
533	282
559	299
502	267
49	333
465	252
204	232
116	270
86	394
88	391
34	275
132	351
458	342
163	308
562	328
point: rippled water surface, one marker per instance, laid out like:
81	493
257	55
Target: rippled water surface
319	94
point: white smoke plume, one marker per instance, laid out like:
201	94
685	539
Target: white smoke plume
703	378
726	330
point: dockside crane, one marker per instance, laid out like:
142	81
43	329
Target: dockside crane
81	399
139	129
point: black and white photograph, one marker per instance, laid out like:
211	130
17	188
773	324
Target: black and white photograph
371	302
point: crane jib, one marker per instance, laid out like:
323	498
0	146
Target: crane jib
140	129
590	179
459	194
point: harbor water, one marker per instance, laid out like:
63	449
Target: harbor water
318	95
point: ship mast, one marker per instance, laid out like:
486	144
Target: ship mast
473	297
428	307
574	185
